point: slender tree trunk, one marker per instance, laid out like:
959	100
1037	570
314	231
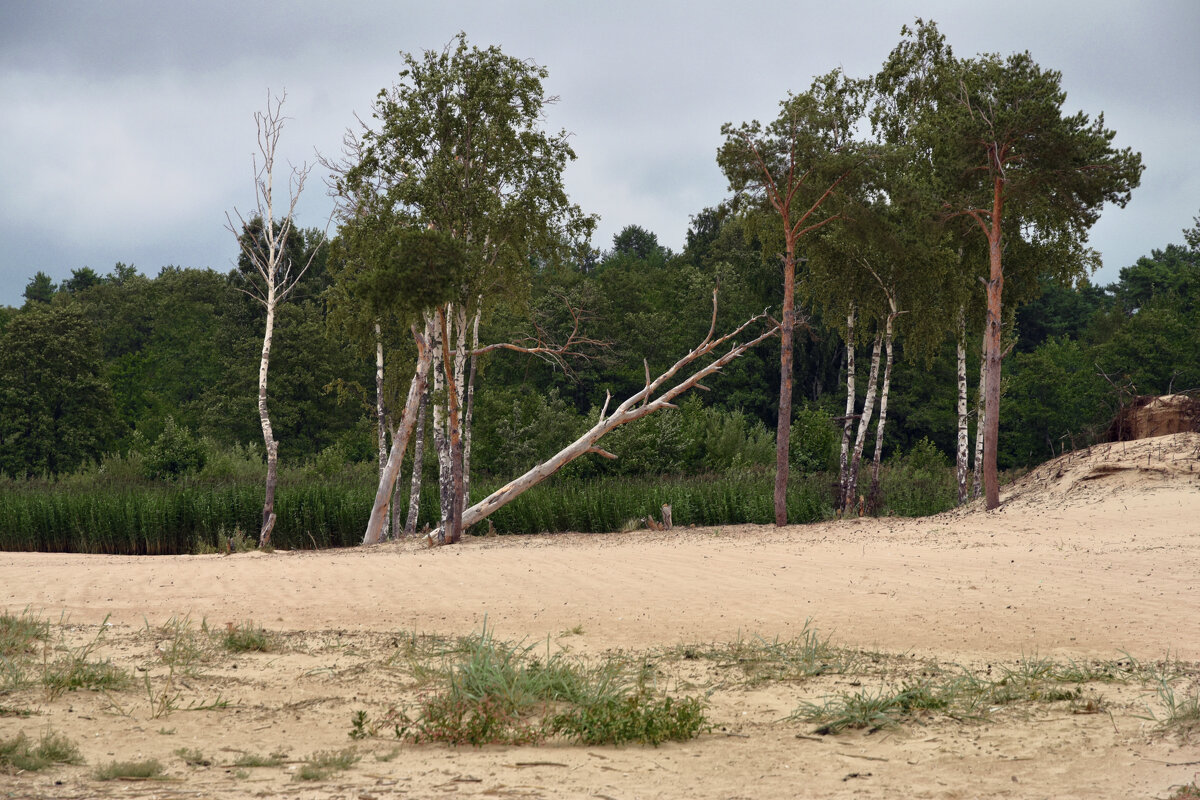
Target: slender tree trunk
375	526
864	422
977	490
394	509
963	417
414	493
783	429
883	407
848	420
454	531
991	402
268	514
469	414
441	442
380	413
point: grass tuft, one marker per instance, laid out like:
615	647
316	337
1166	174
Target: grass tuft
322	764
150	769
248	638
19	754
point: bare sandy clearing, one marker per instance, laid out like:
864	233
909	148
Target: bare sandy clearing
1091	555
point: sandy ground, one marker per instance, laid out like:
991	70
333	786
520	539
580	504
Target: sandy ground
1091	558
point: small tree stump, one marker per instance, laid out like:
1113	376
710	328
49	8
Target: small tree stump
666	516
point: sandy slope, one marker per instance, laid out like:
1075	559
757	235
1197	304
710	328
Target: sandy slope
1090	555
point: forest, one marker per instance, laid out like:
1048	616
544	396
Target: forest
874	222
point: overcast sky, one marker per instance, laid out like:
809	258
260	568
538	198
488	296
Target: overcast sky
126	128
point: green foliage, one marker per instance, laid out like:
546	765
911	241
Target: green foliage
55	406
918	483
814	441
633	718
174	453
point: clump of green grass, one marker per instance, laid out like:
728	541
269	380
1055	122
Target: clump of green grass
275	759
149	769
247	637
322	764
504	693
806	655
193	757
21	633
1181	712
184	649
19	754
76	670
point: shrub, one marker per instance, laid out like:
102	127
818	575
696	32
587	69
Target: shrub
813	444
174	453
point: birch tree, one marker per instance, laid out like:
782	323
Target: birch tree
458	146
793	168
264	242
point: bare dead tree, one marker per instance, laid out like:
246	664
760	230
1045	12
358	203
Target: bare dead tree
275	275
634	407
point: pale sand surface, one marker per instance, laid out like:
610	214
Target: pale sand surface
1091	556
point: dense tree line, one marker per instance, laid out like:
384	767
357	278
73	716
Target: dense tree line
865	217
109	365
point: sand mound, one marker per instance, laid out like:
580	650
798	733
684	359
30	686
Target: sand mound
1111	472
1150	416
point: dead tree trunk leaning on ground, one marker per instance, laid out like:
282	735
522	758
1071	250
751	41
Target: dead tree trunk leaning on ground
274	277
634	407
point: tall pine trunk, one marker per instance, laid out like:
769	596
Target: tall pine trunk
864	422
991	388
848	420
980	411
783	429
963	417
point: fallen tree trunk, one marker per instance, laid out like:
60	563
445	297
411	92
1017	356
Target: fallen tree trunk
634	407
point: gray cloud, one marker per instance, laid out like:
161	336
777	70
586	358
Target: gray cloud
127	131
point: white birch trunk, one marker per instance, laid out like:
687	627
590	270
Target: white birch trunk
883	406
272	446
469	414
977	491
441	442
848	420
391	470
380	413
864	422
414	492
962	457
